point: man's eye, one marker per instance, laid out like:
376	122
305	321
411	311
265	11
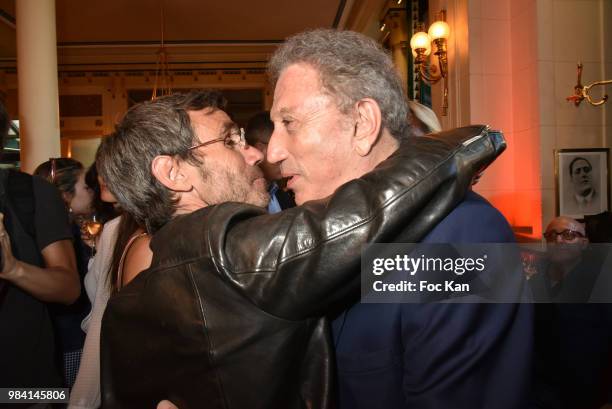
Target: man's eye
287	122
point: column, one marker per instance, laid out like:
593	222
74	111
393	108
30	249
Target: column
37	78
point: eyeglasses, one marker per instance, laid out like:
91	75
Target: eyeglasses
566	235
234	140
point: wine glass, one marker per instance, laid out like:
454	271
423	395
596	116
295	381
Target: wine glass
93	228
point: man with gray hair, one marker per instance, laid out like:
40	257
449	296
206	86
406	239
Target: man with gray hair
338	111
231	312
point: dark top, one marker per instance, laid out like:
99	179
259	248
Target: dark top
573	359
573	354
67	318
430	356
577	286
27	348
285	199
50	216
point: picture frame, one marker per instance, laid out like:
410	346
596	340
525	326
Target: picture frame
582	181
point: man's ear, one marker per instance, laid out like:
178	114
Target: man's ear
169	172
368	126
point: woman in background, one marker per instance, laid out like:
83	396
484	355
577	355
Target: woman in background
103	203
108	272
68	175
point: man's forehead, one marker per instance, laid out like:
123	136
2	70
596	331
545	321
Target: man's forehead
211	118
294	89
565	223
305	110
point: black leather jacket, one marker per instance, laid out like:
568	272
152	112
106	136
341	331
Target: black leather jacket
229	314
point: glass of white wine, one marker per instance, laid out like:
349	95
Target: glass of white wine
93	227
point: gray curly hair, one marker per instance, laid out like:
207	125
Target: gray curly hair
351	67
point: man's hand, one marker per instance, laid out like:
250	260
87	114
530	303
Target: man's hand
166	404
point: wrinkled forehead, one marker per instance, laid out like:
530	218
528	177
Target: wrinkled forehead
210	121
298	87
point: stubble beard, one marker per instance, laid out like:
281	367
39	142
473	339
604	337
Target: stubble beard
230	186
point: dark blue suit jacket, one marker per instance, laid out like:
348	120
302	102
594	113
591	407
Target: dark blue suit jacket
442	356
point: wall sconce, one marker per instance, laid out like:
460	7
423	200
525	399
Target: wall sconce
581	92
421	49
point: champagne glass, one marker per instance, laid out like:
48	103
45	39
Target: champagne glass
93	227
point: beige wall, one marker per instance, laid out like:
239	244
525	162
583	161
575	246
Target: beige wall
569	31
525	133
521	64
493	88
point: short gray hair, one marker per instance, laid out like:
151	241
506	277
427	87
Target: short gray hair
351	67
149	129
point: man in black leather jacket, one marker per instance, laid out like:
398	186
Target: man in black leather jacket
230	313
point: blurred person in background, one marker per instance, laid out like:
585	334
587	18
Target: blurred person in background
573	338
38	267
567	273
68	176
423	120
257	134
103	203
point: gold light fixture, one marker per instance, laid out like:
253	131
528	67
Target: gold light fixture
581	92
421	44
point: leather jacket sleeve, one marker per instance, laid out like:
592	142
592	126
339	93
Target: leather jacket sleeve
300	262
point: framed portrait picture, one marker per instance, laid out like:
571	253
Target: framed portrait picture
582	181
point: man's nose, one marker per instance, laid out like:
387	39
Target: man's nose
251	155
276	152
